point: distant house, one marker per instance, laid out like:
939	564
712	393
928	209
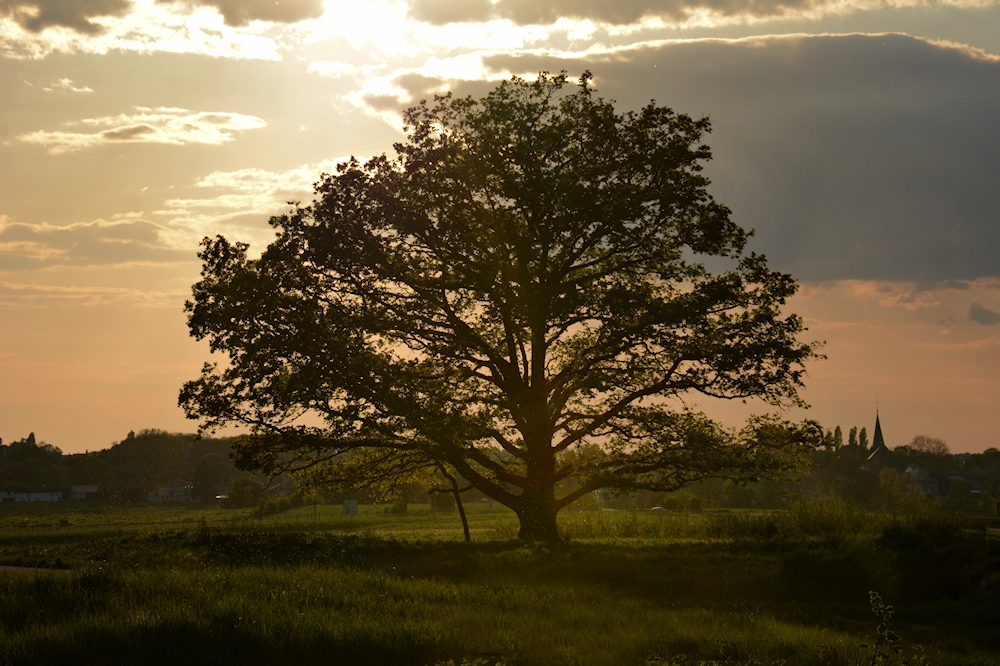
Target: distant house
81	492
6	496
9	496
928	484
42	497
177	490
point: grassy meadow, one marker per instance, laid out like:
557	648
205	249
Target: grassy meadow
104	584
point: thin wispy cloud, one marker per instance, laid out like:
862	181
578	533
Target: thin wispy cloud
335	69
13	294
26	246
239	202
148	125
254	189
66	86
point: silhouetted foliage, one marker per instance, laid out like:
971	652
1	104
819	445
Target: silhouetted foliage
126	471
930	446
245	492
519	296
984	469
30	466
212	471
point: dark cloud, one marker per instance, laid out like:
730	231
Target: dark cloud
978	313
617	12
128	133
37	15
27	246
241	12
854	157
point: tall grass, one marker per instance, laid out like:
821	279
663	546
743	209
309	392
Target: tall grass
827	523
622	588
258	615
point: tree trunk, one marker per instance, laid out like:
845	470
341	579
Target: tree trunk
538	521
537	506
461	508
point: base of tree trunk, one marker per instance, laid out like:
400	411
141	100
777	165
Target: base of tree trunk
538	526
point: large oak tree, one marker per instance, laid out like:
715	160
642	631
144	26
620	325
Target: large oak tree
518	297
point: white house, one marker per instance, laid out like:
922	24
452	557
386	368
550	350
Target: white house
81	492
177	490
7	496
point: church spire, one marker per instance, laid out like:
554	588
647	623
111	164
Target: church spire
877	441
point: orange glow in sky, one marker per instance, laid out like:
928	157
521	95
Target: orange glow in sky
858	138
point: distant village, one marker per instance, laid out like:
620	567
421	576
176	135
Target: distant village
157	467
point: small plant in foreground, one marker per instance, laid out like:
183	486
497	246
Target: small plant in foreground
887	645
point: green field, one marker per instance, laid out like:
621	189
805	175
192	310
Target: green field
103	584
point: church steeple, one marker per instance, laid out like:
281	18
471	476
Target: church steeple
879	452
877	441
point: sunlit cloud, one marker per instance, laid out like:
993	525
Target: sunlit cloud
261	30
147	27
78	15
26	246
66	85
148	125
335	69
256	190
387	95
881	204
908	295
381	29
896	294
654	13
241	13
238	202
870	304
384	29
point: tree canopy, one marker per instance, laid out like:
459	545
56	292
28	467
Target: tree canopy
518	297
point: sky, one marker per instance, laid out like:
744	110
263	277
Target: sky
858	138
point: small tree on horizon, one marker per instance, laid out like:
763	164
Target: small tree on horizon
519	297
930	445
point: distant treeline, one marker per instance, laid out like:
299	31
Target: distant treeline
126	471
923	475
